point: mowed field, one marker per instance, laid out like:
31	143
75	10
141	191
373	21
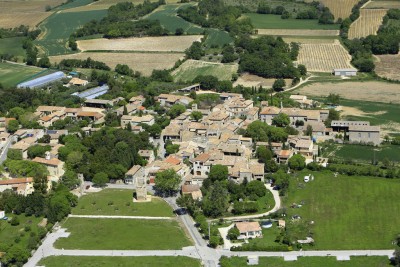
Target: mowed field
13	46
388	66
12	74
190	69
339	8
164	43
297	32
373	91
30	13
383	4
367	24
323	57
142	62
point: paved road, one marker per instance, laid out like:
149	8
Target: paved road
3	155
120	217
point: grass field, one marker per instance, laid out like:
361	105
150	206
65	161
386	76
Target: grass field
367	24
262	21
359	261
57	28
12	74
13	46
349	212
388	66
90	261
190	69
368	153
123	234
167	15
98	204
142	62
250	80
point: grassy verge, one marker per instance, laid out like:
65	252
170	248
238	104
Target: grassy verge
119	202
12	74
122	234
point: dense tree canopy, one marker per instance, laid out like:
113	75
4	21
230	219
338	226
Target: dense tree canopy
167	182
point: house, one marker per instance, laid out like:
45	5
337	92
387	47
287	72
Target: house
54	166
136	120
190	88
302	100
200	166
169	100
133	174
22	186
268	113
78	82
249	230
23	147
130	109
98	103
147	155
284	155
345	72
364	134
137	100
193	190
343	126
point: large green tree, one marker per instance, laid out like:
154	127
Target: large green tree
100	179
297	162
216	202
281	120
218	173
167	182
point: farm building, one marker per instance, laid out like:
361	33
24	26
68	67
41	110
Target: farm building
42	81
93	93
364	134
345	72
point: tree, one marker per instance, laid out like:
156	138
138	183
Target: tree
309	130
333	115
167	182
196	115
271	166
44	62
396	257
281	120
12	126
171	148
297	162
279	84
16	256
38	151
179	31
100	179
281	179
333	99
216	201
176	110
195	51
233	233
70	179
256	188
14	154
263	154
218	173
302	69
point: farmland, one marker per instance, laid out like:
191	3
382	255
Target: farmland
165	43
57	28
297	32
367	24
142	62
349	212
12	74
122	234
388	66
13	46
367	154
250	80
383	4
323	57
93	261
190	69
105	4
339	8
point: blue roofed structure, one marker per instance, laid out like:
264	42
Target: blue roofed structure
94	92
42	81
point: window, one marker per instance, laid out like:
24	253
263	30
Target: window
359	135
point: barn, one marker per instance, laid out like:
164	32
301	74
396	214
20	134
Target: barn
345	72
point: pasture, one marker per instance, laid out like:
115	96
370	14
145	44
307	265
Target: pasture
142	62
323	57
349	212
383	4
122	234
367	24
366	154
190	69
339	8
388	66
297	32
100	261
13	74
163	43
13	46
57	28
262	21
359	261
119	202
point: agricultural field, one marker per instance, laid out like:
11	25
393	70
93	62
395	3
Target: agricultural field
359	261
13	74
250	80
349	212
93	261
251	5
323	57
339	8
13	46
367	24
262	21
122	234
105	4
297	32
164	43
31	13
142	62
366	154
386	4
57	28
190	69
388	66
119	202
309	40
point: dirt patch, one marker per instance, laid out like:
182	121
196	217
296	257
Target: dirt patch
388	66
250	80
365	91
351	111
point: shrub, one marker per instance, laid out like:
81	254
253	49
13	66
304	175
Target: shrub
14	221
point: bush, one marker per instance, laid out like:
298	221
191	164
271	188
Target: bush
233	233
27	228
14	221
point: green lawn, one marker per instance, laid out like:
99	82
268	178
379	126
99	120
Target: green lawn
123	234
12	74
59	26
262	21
92	261
309	262
367	153
119	202
13	46
348	212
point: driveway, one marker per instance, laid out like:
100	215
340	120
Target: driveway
224	232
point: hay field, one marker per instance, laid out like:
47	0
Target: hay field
164	43
303	40
383	4
339	8
388	66
142	62
297	32
190	69
367	24
324	57
30	13
373	91
250	80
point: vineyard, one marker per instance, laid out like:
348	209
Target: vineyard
367	24
297	32
324	57
383	4
339	8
